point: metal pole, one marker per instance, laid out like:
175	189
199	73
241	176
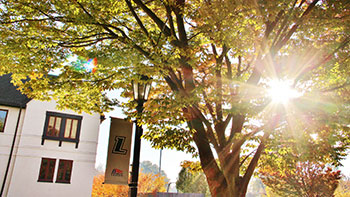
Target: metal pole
136	156
160	162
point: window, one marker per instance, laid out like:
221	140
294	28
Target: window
62	127
47	169
64	171
3	117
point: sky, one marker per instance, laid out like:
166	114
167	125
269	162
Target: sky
171	159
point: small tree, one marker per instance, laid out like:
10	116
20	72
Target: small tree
192	180
149	167
148	183
308	179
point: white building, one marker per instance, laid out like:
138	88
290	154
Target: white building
44	151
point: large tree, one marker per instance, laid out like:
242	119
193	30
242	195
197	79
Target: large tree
211	62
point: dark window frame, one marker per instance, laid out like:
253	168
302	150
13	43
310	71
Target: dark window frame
61	137
2	130
67	165
47	170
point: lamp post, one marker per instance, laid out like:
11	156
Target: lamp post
141	91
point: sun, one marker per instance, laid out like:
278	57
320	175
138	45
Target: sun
281	91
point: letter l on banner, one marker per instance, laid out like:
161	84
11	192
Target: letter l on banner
119	147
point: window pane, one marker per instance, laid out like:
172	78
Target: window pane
58	125
51	121
54	126
68	128
64	171
51	169
43	169
3	115
74	129
67	176
60	175
47	169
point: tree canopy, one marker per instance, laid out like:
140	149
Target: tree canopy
212	63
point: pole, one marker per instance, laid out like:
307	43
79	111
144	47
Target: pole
160	162
136	156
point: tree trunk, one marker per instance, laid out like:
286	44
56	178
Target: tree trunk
238	191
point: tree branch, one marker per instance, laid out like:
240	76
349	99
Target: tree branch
178	9
239	142
284	25
246	157
253	163
170	19
161	25
283	41
229	68
82	43
139	22
322	61
210	168
208	105
337	87
209	129
237	125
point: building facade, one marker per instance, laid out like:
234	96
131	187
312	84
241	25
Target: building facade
44	151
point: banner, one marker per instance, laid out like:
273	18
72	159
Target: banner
119	147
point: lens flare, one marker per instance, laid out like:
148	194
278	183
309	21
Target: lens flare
281	91
82	64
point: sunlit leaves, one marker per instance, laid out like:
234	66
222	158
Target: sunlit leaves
210	62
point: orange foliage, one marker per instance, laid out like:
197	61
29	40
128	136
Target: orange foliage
307	179
148	183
